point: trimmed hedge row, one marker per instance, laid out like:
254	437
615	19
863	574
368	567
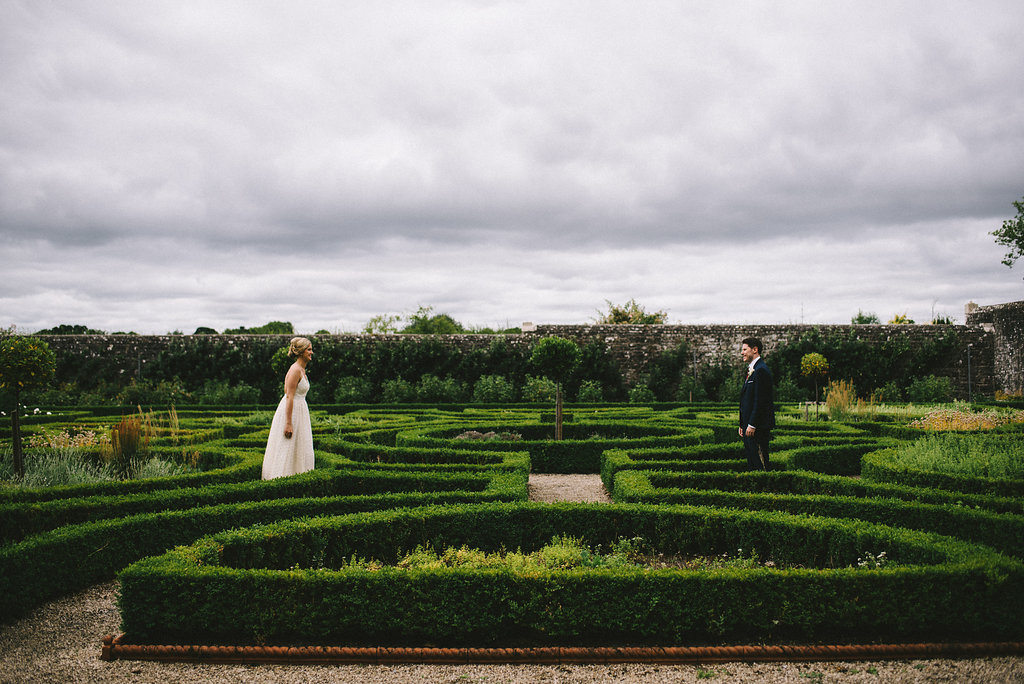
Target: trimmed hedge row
276	583
579	452
1002	531
880	467
39	570
19	521
835	456
807	483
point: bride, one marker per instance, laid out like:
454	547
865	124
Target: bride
290	446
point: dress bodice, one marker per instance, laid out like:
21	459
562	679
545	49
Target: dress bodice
303	387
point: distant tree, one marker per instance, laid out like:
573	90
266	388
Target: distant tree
65	329
1011	235
271	328
26	363
382	324
425	322
204	331
275	328
631	313
942	319
556	358
901	319
863	318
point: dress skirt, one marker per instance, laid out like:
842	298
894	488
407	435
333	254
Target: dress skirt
290	455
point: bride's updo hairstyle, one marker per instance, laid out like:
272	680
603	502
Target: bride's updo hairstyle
298	346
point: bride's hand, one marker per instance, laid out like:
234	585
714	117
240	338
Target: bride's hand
288	431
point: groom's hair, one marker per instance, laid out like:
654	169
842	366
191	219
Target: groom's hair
753	343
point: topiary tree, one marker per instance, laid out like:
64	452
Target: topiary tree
25	363
556	358
815	366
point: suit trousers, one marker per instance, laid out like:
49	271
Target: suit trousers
756	450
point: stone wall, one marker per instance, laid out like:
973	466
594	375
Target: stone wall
1005	324
633	346
992	339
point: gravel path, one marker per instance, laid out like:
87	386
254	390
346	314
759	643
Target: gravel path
61	642
574	487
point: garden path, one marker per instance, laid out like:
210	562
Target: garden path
571	487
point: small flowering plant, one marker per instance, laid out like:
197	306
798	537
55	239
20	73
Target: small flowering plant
65	439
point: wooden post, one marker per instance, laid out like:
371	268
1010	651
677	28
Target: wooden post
558	411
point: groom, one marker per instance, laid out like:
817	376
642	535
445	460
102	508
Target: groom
757	406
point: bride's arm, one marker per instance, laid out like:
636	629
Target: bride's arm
291	382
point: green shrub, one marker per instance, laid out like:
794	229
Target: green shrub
434	390
225	394
590	392
641	394
691	389
930	390
538	390
889	393
149	393
353	390
493	389
398	391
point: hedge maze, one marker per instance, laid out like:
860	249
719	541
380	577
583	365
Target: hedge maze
852	548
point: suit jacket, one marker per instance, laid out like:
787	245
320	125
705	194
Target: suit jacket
757	400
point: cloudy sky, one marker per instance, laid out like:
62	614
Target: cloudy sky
169	165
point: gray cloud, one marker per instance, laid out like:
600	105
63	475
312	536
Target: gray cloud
193	158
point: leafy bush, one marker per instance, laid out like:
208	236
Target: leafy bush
890	393
353	390
665	372
538	390
226	394
493	389
930	390
590	392
690	389
434	390
641	394
398	391
149	393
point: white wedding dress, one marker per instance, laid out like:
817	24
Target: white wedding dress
290	455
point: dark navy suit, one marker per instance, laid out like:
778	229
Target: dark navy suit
757	408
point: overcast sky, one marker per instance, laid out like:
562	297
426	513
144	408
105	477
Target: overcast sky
169	165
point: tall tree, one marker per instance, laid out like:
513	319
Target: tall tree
1011	235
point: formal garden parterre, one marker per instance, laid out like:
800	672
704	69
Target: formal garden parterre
854	544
